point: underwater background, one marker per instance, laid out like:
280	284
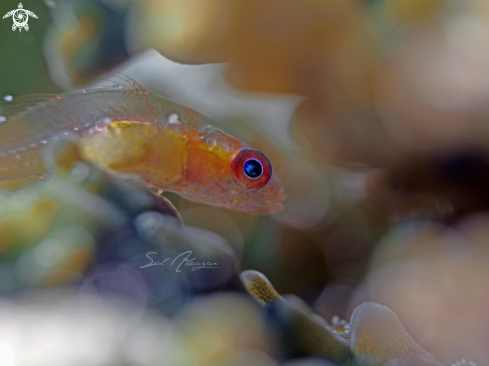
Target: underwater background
373	113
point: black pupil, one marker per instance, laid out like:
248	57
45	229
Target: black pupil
252	168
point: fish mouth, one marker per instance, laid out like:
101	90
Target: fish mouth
269	201
263	208
268	208
269	204
274	205
263	201
259	208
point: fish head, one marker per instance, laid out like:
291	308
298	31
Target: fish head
223	171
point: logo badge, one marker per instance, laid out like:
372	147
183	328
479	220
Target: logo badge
20	17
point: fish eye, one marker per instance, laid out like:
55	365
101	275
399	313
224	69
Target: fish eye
251	168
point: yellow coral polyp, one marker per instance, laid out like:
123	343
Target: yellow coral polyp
273	46
182	34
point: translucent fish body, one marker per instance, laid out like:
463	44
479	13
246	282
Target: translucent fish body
131	130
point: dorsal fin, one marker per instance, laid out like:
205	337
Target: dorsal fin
28	123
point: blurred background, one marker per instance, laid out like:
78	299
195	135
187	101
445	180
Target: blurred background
373	113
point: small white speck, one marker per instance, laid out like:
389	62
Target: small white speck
55	137
32	145
106	121
43	142
75	129
65	133
83	91
8	98
173	118
2	119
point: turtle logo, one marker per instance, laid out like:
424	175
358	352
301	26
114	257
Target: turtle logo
20	17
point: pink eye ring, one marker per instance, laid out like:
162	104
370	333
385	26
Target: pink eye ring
251	168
